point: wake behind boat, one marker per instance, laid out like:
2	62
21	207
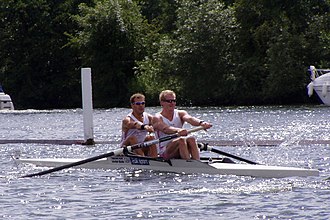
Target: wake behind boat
205	166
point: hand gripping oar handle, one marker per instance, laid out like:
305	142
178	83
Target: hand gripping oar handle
206	147
157	141
113	153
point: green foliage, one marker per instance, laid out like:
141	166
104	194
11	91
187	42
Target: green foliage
154	73
211	52
277	46
205	50
318	39
113	37
36	67
198	54
285	82
289	49
162	13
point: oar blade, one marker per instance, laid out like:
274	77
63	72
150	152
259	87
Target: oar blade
66	166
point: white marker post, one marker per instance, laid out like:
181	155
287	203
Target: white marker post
86	84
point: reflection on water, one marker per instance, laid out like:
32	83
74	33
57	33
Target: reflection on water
127	194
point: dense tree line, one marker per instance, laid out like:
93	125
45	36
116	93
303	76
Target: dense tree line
211	52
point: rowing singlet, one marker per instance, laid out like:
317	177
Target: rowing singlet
139	134
176	122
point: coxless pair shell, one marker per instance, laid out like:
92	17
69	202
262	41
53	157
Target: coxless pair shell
206	166
121	158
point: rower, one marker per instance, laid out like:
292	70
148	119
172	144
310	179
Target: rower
169	121
136	127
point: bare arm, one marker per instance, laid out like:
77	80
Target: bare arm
149	126
193	120
128	123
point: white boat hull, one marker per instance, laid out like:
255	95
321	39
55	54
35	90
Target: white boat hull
320	84
179	166
5	102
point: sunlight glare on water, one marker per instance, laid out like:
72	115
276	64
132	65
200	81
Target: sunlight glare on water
137	194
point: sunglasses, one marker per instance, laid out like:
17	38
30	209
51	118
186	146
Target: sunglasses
138	103
169	100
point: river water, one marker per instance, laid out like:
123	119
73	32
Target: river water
125	194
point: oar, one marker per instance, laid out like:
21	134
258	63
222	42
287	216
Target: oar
113	153
206	147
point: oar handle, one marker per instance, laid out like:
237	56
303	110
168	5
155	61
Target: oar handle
157	141
196	129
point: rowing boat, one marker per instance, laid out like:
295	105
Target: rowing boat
219	166
123	158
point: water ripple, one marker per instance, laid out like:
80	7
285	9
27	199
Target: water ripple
129	194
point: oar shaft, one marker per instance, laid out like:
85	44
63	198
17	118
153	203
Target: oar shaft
80	162
206	147
233	156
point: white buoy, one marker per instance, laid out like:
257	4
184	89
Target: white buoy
86	84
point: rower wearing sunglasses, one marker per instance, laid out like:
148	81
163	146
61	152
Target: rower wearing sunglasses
137	128
170	121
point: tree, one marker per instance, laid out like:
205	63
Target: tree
276	48
200	52
161	13
114	35
35	64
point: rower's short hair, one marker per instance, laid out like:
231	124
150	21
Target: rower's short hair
164	93
136	95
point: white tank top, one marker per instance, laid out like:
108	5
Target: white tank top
139	134
176	122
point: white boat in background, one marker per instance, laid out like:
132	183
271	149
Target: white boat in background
320	83
5	101
221	166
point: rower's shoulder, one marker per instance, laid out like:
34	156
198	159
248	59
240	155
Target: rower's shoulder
182	112
126	119
150	116
156	119
157	115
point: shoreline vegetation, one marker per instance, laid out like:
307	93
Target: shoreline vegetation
211	53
